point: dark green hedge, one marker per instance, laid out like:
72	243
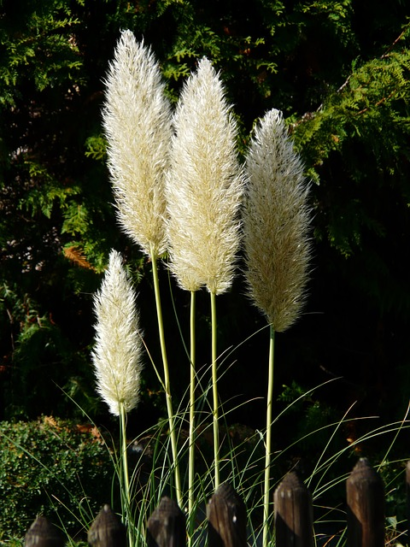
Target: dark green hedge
51	466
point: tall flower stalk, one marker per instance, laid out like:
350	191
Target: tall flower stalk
276	225
204	190
137	122
117	354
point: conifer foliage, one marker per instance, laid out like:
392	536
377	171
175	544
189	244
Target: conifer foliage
338	71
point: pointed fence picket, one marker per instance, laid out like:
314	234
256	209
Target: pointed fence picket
226	515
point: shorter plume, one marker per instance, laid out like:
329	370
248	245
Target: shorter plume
276	224
117	353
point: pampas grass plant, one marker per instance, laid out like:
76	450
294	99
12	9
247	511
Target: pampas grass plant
117	354
276	237
137	122
178	187
204	190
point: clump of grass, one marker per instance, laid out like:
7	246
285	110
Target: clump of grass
179	190
199	185
151	474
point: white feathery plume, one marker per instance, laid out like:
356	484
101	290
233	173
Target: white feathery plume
204	186
276	224
117	353
276	221
137	122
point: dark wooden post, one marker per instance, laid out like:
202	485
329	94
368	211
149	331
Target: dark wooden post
42	533
365	507
293	513
166	526
107	530
226	515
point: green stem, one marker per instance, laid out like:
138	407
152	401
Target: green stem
268	446
124	465
191	472
167	387
215	388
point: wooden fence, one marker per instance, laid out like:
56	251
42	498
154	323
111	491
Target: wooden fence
226	515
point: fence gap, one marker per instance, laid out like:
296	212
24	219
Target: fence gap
107	530
166	526
226	514
293	513
365	507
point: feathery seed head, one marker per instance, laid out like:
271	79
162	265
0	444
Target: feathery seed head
137	122
276	224
117	353
204	186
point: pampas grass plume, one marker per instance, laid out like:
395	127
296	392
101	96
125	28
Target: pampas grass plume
117	353
137	122
204	186
276	224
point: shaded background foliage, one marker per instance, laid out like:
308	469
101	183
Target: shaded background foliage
49	465
339	70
